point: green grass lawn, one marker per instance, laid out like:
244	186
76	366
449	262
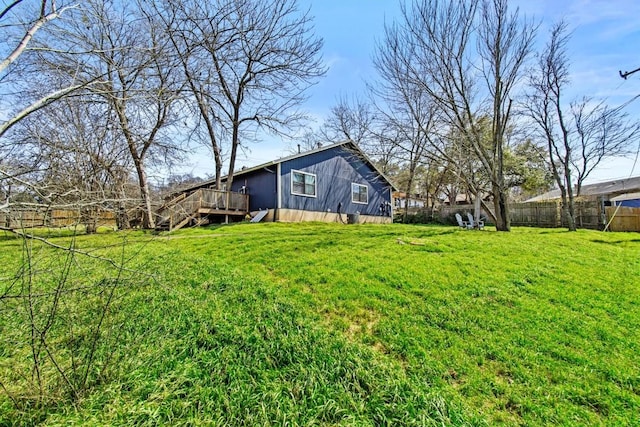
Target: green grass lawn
326	324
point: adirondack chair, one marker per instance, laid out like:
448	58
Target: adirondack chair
473	224
462	224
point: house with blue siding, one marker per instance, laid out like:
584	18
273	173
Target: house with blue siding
621	191
333	183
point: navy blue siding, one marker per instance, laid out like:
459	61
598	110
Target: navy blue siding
335	170
260	186
634	203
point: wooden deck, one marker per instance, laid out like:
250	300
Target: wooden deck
194	208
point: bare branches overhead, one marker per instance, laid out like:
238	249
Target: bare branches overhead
466	59
248	65
160	72
579	133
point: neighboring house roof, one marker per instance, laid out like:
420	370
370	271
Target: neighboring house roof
412	196
611	188
628	196
350	145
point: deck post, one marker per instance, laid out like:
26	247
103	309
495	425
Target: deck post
226	205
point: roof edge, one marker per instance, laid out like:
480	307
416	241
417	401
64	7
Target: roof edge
347	142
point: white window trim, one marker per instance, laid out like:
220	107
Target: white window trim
352	194
302	194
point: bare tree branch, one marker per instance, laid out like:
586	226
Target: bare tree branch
31	31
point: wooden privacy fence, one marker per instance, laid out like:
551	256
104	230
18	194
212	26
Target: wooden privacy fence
590	214
547	214
623	218
32	218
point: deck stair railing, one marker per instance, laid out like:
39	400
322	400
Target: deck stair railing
205	201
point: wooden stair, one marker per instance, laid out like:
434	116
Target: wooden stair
194	208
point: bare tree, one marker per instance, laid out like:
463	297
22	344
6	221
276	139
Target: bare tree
350	119
468	56
408	129
16	36
192	26
125	52
76	158
578	135
20	22
407	115
246	64
410	119
264	57
66	323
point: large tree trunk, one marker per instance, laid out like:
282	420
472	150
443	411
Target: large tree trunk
235	141
569	206
204	112
501	206
218	161
148	220
569	216
407	194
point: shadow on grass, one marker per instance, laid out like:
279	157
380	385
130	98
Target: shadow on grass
615	242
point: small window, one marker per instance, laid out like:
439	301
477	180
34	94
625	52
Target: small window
303	184
359	193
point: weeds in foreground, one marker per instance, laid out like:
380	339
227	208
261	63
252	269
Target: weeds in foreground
61	319
311	324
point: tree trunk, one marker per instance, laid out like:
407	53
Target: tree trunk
232	160
407	196
567	199
476	208
501	206
122	219
570	212
148	221
218	161
568	215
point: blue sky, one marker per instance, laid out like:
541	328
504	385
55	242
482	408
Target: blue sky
606	38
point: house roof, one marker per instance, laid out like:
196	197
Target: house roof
628	196
611	188
348	144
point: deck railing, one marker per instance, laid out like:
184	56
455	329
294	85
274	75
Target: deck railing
223	200
205	201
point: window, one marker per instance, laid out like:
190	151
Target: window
303	184
359	193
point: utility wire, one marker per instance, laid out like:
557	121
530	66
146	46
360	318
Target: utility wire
635	163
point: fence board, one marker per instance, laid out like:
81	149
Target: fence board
54	218
543	214
625	219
